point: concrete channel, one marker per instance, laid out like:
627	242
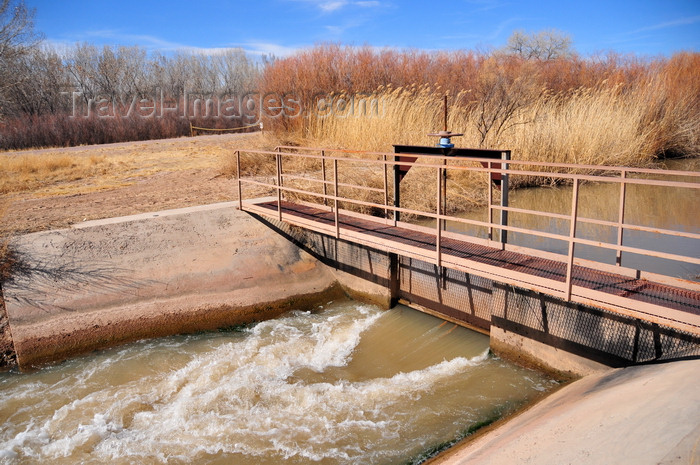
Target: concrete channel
103	283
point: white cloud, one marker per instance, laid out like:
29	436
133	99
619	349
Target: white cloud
667	24
335	30
154	43
269	48
330	6
147	41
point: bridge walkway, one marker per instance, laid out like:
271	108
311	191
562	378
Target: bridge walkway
323	189
651	301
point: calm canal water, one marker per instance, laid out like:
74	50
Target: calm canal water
343	384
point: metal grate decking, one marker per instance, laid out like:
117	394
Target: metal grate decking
669	305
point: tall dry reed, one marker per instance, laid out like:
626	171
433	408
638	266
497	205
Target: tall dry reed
628	116
604	125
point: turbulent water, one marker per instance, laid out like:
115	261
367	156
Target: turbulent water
348	383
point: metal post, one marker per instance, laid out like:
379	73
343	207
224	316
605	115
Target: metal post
572	243
438	220
504	197
238	177
323	168
386	189
394	279
444	190
621	218
490	201
279	185
397	191
281	173
335	195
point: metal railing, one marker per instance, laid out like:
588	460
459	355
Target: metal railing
572	174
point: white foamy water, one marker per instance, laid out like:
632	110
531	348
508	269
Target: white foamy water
346	384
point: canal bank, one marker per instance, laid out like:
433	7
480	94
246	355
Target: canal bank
636	415
107	282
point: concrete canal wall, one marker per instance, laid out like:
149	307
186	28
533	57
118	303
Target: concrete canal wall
641	415
103	283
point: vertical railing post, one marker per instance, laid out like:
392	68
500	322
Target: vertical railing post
323	168
438	220
238	177
386	189
335	199
278	159
490	200
397	190
504	197
621	218
444	194
572	242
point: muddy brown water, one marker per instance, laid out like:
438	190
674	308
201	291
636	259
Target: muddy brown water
346	383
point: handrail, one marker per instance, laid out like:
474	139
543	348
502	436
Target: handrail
354	186
515	172
522	162
583	219
491	166
548	235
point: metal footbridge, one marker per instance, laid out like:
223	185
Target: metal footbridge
347	195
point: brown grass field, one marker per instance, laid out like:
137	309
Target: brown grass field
54	188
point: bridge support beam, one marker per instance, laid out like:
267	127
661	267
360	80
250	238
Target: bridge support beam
394	279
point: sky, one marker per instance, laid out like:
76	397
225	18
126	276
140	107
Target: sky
281	27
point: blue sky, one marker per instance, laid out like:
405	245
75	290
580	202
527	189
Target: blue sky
279	27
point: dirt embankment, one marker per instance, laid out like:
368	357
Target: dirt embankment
50	189
127	178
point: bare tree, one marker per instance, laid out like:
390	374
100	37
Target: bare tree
17	39
134	71
543	45
17	36
236	73
501	93
40	90
82	65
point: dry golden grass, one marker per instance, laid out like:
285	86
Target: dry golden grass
603	125
30	172
80	170
588	126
